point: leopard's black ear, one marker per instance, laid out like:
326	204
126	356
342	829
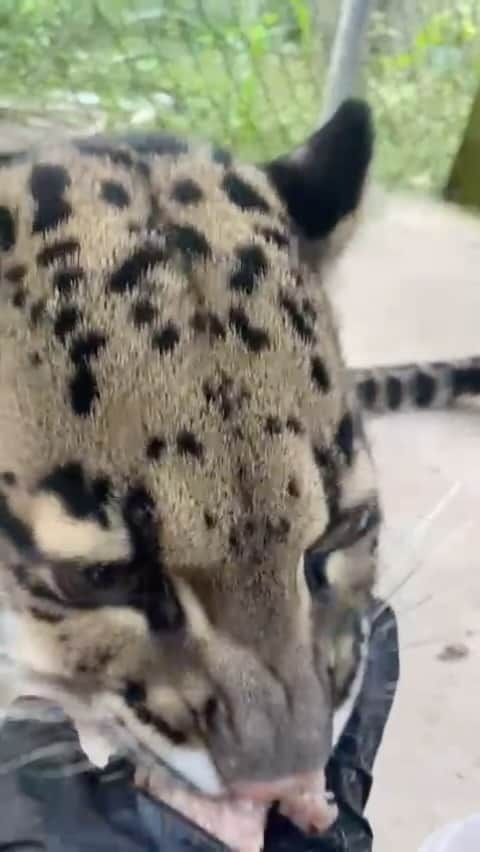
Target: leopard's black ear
321	182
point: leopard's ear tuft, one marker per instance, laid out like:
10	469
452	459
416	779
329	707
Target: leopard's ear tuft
322	182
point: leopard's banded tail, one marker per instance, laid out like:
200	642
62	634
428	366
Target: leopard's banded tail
431	385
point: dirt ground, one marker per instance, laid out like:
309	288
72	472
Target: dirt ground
410	289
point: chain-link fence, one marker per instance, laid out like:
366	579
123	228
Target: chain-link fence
248	73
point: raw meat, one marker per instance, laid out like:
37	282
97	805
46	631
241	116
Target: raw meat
240	823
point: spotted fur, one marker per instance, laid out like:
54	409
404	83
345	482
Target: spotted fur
188	506
417	386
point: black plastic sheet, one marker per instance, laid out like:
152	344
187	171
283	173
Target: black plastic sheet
43	806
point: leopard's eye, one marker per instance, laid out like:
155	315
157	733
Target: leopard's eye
97	584
102	576
354	524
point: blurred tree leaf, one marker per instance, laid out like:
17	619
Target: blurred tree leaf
463	186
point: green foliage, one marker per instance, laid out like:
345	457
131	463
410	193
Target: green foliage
463	186
245	80
248	74
423	95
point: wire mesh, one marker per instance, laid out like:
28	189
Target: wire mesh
245	73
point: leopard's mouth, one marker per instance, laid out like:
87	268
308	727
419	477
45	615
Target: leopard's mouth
236	821
236	818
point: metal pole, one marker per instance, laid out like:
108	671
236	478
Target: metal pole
343	70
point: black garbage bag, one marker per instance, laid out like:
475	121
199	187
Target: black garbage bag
46	806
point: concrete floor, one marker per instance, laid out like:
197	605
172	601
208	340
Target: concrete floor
410	288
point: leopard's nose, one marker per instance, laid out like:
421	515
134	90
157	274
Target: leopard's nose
271	791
